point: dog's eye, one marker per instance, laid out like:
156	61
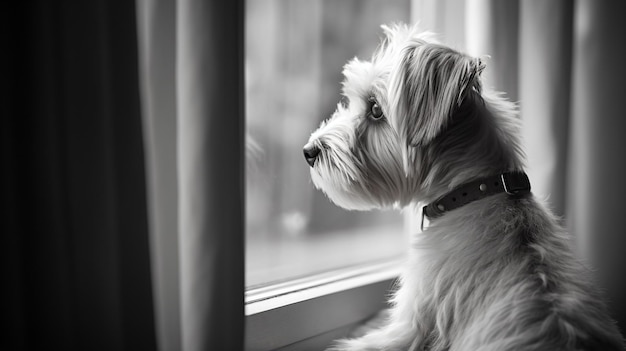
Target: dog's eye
376	112
345	102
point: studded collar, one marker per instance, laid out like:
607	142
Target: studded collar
512	183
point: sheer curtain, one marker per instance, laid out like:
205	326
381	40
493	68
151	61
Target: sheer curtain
157	49
192	75
564	62
210	105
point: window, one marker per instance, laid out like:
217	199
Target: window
295	51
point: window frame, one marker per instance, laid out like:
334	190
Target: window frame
310	313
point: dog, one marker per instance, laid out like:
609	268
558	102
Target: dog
493	269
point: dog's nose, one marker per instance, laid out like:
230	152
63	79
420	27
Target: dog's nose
310	153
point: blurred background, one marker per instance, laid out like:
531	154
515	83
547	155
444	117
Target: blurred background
125	220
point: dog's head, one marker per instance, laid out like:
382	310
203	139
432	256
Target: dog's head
398	128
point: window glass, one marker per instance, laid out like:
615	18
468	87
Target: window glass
295	51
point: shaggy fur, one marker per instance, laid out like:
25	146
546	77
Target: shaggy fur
496	274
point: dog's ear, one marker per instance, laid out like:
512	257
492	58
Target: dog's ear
429	82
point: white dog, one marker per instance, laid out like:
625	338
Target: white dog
493	270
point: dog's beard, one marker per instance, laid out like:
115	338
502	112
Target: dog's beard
359	168
338	173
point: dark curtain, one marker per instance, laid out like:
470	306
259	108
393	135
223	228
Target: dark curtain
75	256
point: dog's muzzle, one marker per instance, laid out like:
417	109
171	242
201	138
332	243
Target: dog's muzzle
310	153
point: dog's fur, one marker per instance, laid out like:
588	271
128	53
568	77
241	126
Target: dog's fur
496	274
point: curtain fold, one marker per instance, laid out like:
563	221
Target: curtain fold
77	263
210	112
492	28
545	65
596	189
157	44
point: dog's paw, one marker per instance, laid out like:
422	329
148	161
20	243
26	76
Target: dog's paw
376	322
351	345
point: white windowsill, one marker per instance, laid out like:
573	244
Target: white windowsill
309	313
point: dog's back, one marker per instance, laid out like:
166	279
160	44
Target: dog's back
510	281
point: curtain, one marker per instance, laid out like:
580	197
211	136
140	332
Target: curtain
122	181
157	44
75	261
546	36
597	189
210	106
192	89
564	62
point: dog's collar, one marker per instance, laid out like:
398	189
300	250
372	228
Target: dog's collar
512	183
